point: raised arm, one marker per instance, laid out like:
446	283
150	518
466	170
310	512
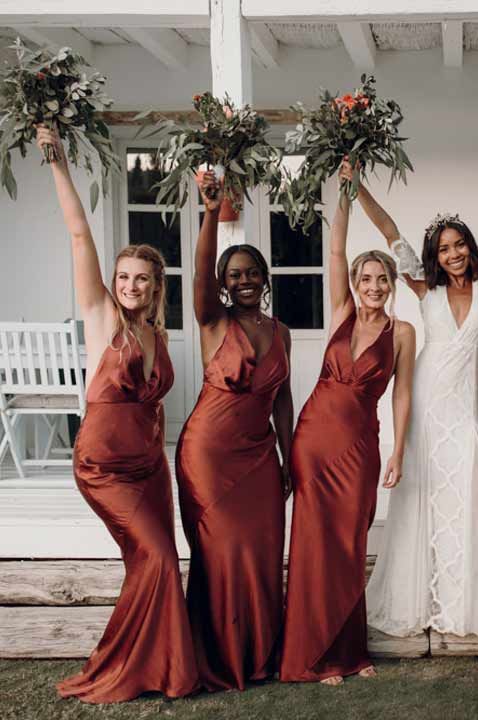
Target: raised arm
207	306
341	298
91	292
388	228
401	400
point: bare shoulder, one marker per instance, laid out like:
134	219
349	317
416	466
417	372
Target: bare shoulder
404	334
404	329
285	333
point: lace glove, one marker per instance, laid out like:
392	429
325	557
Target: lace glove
407	261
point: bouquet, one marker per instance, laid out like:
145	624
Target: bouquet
54	90
231	141
360	126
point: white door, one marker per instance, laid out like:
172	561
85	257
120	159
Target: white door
299	289
143	222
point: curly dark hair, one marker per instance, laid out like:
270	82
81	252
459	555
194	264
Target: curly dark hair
434	274
258	258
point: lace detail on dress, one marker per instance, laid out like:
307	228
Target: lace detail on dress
407	260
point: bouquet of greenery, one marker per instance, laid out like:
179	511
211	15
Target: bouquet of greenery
54	90
360	126
231	141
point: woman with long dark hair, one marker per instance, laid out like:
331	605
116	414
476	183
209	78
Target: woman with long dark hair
232	487
426	575
120	466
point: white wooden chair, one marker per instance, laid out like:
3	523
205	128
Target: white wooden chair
40	374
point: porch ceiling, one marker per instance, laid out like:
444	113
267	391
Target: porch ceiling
386	36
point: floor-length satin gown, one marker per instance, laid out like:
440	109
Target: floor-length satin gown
335	468
233	513
122	471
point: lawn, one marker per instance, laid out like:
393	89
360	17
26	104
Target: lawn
435	689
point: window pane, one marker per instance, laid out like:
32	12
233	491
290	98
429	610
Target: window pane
143	173
148	227
174	310
291	248
298	300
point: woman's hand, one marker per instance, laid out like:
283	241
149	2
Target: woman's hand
211	190
346	171
286	480
45	137
393	473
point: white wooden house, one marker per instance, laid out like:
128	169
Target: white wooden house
157	54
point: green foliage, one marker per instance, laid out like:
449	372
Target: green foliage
54	90
360	126
228	139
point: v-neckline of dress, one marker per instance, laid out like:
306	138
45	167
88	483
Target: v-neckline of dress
354	314
155	359
458	328
274	331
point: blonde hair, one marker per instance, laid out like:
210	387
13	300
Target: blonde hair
126	325
389	268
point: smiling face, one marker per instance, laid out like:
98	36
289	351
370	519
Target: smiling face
373	286
135	284
453	252
244	280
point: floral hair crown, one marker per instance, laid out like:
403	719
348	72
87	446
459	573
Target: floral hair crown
441	221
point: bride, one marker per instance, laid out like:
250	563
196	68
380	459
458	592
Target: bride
426	575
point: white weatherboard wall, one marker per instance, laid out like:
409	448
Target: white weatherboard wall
35	260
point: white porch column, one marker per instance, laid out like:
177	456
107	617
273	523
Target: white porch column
231	61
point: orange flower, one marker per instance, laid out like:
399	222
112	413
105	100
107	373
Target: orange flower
349	101
227	112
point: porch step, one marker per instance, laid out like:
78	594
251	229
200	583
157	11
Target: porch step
73	632
59	609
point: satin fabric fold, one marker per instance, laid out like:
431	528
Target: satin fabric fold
122	472
335	468
232	507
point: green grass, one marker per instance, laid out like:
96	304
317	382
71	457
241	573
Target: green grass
435	689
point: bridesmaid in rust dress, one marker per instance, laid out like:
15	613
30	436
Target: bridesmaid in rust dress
121	468
335	468
231	484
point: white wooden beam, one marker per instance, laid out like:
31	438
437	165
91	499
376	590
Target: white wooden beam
231	64
56	38
359	43
107	13
360	10
166	45
265	47
452	34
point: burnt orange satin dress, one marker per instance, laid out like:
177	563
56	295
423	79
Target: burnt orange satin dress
122	472
233	513
335	468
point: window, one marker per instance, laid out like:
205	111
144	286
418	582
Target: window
296	268
146	225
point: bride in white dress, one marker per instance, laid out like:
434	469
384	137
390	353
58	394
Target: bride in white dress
426	575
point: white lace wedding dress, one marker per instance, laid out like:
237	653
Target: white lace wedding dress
426	574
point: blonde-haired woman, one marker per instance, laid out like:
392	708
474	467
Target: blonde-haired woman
120	466
335	467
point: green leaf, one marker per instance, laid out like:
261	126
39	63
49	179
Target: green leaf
235	167
94	195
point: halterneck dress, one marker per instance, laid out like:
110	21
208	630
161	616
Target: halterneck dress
426	574
232	506
122	472
335	468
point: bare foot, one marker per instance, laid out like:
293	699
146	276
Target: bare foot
368	672
334	680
